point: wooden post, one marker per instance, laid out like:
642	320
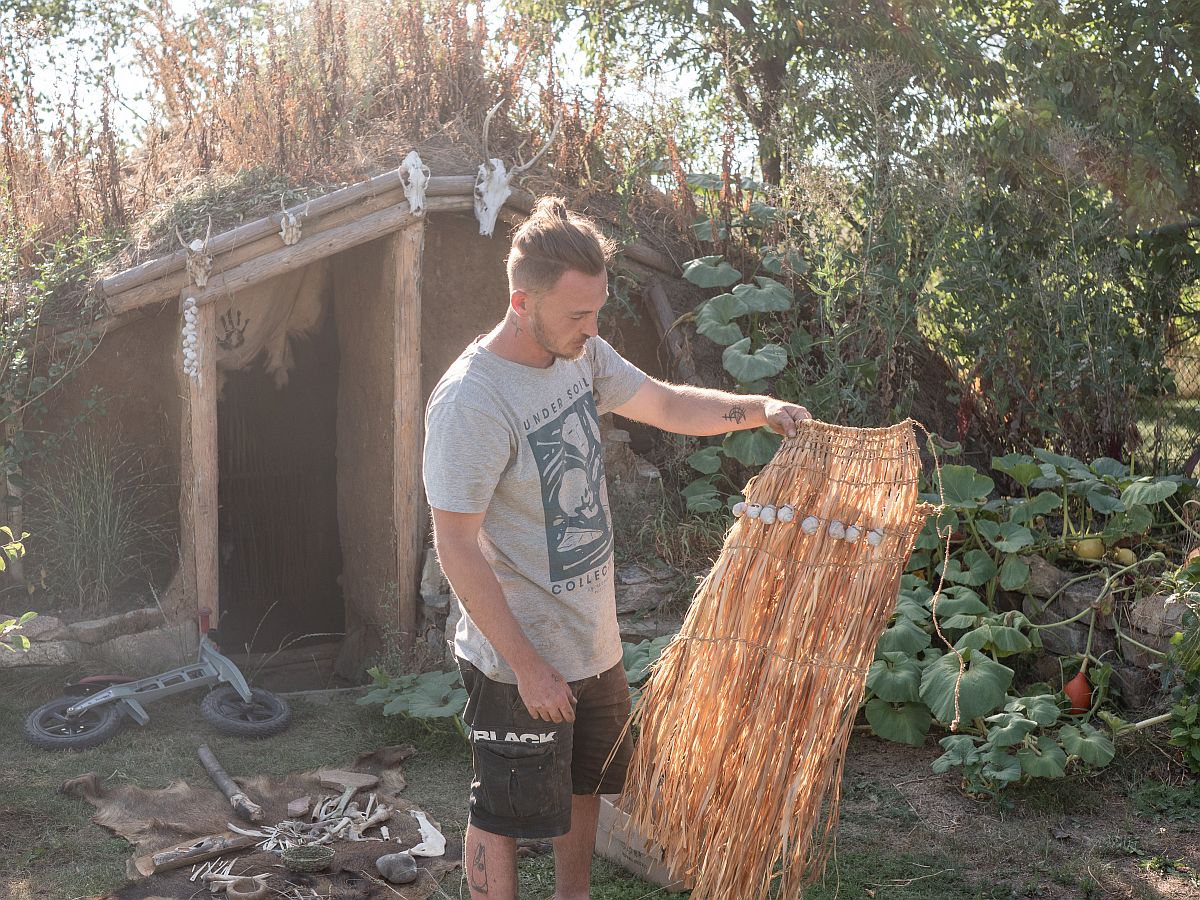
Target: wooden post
408	422
198	464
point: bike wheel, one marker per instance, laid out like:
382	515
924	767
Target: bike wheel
50	728
265	714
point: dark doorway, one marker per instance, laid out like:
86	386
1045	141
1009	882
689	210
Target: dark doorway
279	549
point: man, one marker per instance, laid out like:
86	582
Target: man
515	479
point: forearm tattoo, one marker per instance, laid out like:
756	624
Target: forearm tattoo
736	414
479	880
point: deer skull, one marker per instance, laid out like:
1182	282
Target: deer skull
492	184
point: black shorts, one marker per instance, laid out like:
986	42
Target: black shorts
526	769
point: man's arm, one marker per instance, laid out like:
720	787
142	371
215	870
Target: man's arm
684	409
543	690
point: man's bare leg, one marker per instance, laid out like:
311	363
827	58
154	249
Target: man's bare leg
490	861
573	851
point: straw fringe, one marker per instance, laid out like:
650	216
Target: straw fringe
745	721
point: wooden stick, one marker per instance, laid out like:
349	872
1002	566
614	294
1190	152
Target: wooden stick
194	851
664	319
242	805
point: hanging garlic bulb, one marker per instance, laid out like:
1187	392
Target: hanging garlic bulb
875	537
852	534
767	516
754	510
837	530
739	508
810	525
786	514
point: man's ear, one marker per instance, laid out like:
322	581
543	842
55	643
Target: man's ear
520	302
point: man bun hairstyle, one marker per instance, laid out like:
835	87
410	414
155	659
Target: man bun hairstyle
552	240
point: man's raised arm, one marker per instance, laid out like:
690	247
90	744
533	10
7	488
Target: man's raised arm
683	409
543	689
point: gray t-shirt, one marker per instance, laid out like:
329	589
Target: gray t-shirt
523	444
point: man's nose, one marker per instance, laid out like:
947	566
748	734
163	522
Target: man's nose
592	326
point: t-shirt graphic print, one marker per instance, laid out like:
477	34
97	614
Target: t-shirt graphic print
570	460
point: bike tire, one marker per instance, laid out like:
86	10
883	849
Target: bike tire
49	728
225	710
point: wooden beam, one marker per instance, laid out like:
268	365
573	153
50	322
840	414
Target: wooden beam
169	284
309	249
438	186
409	517
198	465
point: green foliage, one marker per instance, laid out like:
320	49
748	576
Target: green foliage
424	696
638	658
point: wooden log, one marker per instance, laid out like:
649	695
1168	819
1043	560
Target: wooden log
407	441
198	467
195	851
663	317
438	186
238	799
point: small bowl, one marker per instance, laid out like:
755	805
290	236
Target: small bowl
308	858
246	889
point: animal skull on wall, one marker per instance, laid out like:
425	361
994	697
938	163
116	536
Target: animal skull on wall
493	183
414	176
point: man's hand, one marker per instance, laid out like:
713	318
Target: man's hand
546	693
784	417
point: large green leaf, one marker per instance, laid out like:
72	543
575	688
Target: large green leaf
1148	491
1089	744
895	677
983	685
1037	505
714	319
965	488
706	460
701	496
1007	729
960	751
753	447
1042	708
1045	759
1019	467
437	695
1005	536
1102	500
1003	639
711	271
902	636
766	295
768	360
960	601
1107	467
637	658
1014	573
1066	464
976	568
1000	767
904	723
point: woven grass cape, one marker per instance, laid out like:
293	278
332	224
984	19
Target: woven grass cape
745	721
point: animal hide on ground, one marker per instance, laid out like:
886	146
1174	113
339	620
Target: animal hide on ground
154	820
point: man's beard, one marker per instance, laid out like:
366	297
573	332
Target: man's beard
538	330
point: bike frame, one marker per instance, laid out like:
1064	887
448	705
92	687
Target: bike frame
211	667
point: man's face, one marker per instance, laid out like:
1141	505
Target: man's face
562	318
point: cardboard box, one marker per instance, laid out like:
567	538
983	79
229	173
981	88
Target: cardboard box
616	840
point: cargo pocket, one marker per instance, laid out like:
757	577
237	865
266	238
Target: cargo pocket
520	781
